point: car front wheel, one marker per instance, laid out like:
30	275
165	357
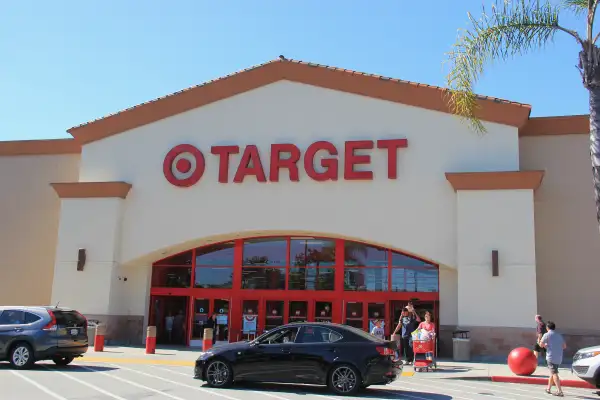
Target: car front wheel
344	380
58	360
218	374
21	356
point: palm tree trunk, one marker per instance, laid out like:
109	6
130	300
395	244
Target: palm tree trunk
595	144
589	67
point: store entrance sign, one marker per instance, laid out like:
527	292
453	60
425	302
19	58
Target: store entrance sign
184	165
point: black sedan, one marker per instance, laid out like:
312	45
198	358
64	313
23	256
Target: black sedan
345	359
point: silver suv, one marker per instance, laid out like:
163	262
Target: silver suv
586	365
30	334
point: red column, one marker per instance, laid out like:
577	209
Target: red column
235	305
338	307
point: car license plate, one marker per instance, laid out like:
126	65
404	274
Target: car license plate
74	332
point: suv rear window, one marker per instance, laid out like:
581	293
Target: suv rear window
31	318
69	319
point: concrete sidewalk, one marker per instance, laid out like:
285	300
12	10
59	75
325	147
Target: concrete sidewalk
447	369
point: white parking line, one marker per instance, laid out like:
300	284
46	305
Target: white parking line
133	383
174	382
252	391
84	383
410	386
410	396
37	385
496	386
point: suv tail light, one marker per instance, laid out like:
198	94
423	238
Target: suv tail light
51	326
384	351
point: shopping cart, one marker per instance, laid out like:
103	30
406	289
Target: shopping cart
427	349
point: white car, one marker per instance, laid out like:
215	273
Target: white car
586	365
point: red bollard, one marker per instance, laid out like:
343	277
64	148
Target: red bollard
99	338
151	340
207	339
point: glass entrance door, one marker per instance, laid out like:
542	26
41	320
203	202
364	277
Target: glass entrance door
249	319
354	315
221	308
169	314
274	314
323	311
298	311
376	316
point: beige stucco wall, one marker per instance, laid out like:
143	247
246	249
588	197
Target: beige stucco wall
567	236
29	215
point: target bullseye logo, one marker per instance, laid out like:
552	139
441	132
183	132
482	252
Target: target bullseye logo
184	165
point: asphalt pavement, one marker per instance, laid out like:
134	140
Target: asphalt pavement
87	380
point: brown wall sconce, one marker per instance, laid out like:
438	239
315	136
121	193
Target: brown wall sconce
81	256
495	268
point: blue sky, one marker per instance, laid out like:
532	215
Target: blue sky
67	62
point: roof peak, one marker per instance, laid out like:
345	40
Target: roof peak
325	76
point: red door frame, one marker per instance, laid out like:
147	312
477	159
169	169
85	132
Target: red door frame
338	297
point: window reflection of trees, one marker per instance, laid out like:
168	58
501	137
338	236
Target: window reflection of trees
308	262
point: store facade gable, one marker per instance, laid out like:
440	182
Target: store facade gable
411	202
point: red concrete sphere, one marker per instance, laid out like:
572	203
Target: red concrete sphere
522	361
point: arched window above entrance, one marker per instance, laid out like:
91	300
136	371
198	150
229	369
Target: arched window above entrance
364	255
216	255
402	260
180	259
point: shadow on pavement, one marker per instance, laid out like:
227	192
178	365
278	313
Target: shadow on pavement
42	367
445	370
374	392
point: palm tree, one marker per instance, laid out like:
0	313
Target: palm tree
514	29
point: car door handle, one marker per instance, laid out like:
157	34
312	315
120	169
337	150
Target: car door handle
18	329
287	351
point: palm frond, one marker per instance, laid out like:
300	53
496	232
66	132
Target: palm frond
577	6
509	30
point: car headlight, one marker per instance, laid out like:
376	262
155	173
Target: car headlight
589	354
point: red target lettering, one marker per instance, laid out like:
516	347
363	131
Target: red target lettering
184	165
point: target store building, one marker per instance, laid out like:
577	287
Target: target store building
298	192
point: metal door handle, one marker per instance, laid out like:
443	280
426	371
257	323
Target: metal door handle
285	350
19	329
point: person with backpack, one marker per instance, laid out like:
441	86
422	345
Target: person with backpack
540	332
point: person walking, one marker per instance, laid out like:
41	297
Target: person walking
378	331
540	331
211	323
179	328
169	326
555	345
407	325
429	327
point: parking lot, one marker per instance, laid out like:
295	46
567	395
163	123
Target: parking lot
94	380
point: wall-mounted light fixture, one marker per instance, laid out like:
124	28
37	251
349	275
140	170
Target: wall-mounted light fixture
81	256
495	268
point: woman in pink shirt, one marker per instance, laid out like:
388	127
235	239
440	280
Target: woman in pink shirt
427	324
429	327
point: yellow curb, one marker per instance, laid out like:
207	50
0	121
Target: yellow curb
137	361
406	373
